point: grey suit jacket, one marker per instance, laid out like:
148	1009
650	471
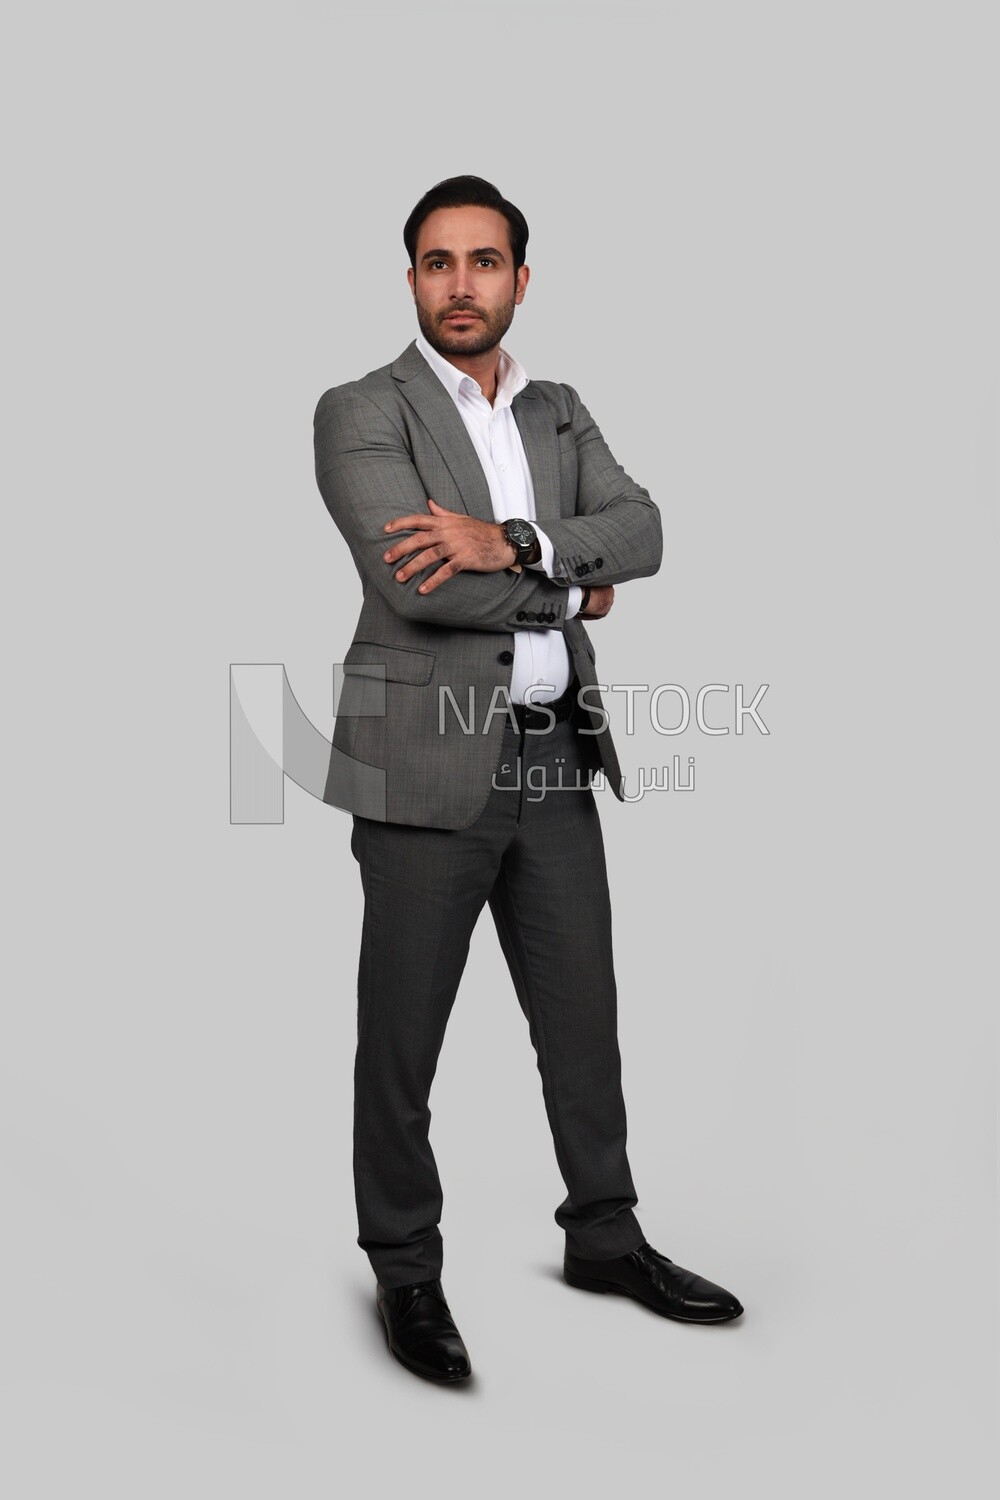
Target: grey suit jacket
383	444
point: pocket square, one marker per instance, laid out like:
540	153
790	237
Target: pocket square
564	428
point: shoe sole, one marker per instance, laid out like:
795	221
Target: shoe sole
589	1284
439	1379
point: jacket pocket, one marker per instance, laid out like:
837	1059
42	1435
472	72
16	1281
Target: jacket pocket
391	663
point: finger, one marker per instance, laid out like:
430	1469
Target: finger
445	571
406	546
403	549
404	523
422	560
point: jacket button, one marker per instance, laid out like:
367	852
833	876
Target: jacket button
598	562
529	614
505	658
520	614
551	616
581	569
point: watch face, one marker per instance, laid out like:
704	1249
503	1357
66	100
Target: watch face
521	533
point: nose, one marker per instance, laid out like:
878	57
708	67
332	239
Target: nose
461	287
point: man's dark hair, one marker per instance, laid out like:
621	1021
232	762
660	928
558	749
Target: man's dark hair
467	192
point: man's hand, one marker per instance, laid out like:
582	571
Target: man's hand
599	601
461	543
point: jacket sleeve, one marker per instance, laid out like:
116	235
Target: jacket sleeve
616	533
367	477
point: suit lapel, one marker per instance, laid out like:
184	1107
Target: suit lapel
536	425
439	414
421	387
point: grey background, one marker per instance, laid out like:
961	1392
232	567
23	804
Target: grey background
763	248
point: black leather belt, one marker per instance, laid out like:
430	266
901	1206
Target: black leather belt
535	718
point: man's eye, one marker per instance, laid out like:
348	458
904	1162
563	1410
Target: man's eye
483	260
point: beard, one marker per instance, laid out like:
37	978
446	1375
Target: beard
479	338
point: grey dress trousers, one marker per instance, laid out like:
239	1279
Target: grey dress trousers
536	854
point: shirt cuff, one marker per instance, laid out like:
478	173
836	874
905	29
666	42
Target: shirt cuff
546	563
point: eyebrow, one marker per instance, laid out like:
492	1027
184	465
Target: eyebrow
446	254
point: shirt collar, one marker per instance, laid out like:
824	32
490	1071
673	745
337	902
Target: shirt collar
511	376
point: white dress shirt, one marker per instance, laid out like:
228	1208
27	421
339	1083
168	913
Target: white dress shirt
543	666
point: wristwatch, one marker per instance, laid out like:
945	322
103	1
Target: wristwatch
523	538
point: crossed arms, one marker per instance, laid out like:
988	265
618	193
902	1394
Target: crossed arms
367	479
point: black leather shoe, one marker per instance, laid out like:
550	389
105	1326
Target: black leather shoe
421	1332
653	1278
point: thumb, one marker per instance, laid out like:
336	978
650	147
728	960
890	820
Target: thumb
433	504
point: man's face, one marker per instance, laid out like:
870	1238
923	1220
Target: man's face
464	263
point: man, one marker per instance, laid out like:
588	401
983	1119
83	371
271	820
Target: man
487	519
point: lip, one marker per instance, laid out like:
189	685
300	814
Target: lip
459	317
